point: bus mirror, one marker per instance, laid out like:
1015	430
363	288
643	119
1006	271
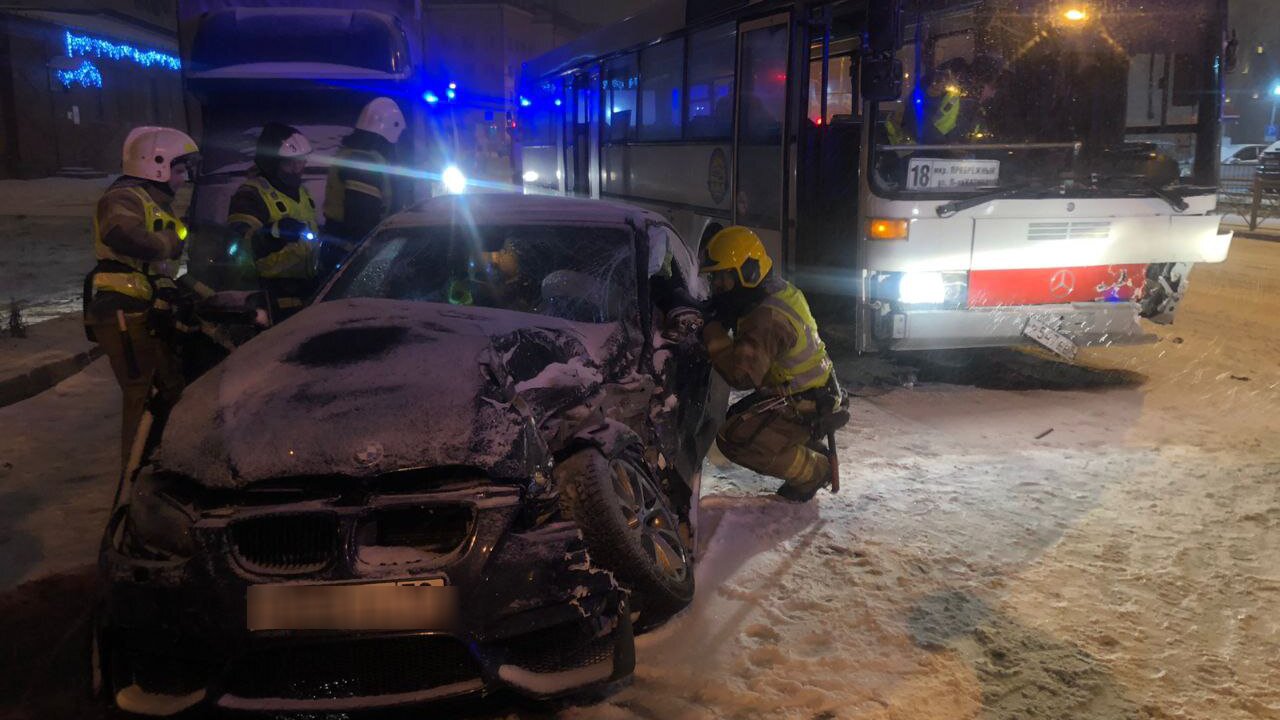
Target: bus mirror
881	79
884	26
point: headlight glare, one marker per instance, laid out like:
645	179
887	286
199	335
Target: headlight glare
922	288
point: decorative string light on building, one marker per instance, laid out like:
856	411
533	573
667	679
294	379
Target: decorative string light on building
86	75
83	45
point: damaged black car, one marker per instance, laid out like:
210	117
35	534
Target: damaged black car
471	465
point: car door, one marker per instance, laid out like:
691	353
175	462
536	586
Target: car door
701	395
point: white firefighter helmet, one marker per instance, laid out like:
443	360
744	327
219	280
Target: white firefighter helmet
383	117
149	151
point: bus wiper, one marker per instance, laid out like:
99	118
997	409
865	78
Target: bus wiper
948	209
1175	200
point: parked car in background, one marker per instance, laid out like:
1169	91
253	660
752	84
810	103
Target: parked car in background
1242	154
467	467
1269	163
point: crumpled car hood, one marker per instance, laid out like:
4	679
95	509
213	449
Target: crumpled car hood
364	387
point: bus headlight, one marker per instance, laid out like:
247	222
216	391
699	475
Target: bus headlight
922	288
454	181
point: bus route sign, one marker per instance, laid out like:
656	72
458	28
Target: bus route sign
944	174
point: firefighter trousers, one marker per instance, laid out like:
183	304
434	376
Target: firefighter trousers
772	439
157	364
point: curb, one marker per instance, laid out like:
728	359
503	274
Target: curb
32	383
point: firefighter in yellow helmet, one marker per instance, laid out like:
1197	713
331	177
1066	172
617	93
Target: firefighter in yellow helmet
273	213
774	350
129	296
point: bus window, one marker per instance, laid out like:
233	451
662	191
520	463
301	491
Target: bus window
661	74
711	61
620	80
762	104
839	89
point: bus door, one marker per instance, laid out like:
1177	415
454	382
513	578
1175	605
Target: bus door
759	179
828	155
582	139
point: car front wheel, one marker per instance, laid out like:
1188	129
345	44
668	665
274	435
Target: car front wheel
631	528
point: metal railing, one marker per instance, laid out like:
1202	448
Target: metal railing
1243	193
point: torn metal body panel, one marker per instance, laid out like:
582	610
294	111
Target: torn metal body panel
359	508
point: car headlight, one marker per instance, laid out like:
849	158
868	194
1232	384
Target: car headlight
159	526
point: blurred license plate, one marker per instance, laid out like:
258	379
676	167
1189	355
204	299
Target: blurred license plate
409	605
942	174
1055	341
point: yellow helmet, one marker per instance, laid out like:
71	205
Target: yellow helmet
739	249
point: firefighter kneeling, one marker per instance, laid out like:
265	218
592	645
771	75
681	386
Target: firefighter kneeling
775	350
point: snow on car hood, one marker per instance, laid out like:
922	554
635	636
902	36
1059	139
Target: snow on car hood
363	387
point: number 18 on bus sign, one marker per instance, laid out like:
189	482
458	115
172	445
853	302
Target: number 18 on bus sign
943	174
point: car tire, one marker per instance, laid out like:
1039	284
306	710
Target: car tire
630	528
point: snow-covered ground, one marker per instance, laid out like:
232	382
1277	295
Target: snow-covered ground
1125	565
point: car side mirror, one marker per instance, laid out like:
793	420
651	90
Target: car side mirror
881	79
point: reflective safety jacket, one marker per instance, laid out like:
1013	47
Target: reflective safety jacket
284	257
353	185
947	114
776	346
805	365
137	240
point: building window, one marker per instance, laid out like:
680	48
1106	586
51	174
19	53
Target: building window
661	75
711	61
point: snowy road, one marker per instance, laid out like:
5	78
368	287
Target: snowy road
1125	565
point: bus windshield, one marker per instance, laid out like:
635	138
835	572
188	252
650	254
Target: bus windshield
1005	94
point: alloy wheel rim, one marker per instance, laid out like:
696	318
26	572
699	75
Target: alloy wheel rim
646	511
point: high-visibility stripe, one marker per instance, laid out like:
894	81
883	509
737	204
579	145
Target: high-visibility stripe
289	302
948	113
366	188
134	284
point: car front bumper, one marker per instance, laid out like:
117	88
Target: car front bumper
534	616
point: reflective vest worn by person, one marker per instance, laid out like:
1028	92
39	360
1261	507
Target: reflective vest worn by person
776	351
276	216
357	192
138	241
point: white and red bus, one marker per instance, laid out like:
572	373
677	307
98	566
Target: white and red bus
945	173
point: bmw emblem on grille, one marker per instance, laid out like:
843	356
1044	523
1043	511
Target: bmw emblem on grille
370	454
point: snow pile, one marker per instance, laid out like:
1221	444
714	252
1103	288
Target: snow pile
575	373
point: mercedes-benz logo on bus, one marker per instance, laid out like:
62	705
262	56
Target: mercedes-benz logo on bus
1062	283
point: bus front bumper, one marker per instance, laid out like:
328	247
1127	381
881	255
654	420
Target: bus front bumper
1086	324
